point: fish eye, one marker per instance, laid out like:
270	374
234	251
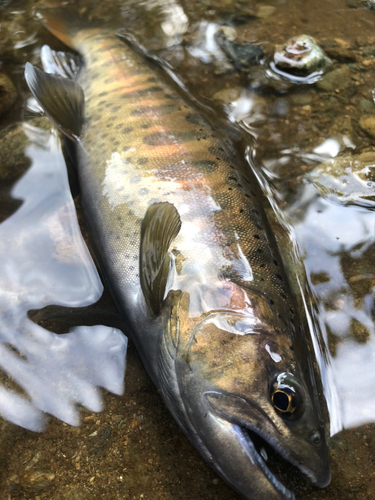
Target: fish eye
284	401
287	396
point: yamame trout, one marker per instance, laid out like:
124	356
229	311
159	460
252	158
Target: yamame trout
190	261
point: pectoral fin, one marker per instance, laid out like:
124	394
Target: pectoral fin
61	99
160	227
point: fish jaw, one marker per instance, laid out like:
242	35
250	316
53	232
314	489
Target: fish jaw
251	421
232	454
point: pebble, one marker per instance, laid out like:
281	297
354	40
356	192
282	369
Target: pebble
301	99
8	93
36	482
367	106
338	79
265	11
367	124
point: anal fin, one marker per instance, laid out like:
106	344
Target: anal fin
61	99
159	228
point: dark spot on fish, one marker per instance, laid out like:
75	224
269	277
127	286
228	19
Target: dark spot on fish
230	178
109	80
252	192
109	125
206	166
95	74
262	265
111	139
142	161
146	125
151	111
196	119
116	143
259	250
152	79
256	236
128	95
109	104
127	130
101	103
115	109
135	179
143	191
239	185
158	139
149	90
241	210
104	135
279	277
102	94
259	227
247	196
119	125
229	189
125	149
272	302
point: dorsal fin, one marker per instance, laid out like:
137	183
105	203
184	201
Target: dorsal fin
61	99
160	227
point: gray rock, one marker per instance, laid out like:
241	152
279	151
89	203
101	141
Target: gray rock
367	106
339	79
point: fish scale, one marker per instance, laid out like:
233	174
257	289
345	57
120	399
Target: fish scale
188	255
161	149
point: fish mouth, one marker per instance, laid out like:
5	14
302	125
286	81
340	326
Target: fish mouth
283	474
282	471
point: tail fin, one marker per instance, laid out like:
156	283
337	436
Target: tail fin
63	23
66	24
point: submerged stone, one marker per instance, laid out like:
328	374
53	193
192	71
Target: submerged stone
8	93
300	57
339	79
242	55
367	124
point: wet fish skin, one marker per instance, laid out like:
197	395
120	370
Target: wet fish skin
227	327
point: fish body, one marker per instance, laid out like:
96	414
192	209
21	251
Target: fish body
191	262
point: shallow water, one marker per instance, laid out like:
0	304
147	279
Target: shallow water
322	211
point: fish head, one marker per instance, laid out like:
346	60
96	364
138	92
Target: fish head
250	403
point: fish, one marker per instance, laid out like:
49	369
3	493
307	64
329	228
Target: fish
178	227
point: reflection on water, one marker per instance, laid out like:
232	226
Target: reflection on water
45	261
